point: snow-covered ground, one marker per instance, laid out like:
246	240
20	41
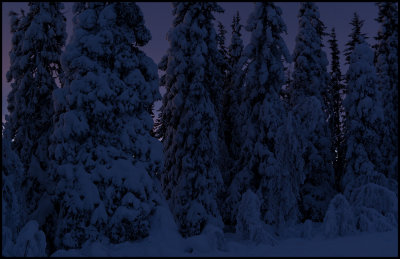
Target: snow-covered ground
371	244
164	240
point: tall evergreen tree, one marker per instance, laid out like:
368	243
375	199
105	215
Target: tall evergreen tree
38	38
310	85
35	61
12	169
386	63
357	24
233	91
224	69
263	169
364	115
101	142
191	177
336	89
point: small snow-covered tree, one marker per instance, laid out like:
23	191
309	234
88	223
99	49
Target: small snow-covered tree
249	225
339	218
364	116
191	177
101	142
30	241
336	110
386	63
309	107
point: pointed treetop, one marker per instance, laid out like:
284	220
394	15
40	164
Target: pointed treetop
355	36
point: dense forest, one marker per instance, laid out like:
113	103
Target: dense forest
254	140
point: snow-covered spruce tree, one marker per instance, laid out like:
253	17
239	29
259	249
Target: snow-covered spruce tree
191	178
232	117
364	117
310	85
37	40
386	63
336	110
233	91
354	36
264	171
225	161
101	141
232	94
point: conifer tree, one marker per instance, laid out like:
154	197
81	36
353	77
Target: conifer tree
233	91
310	86
101	144
232	118
357	24
263	168
386	63
38	38
35	61
224	69
37	41
336	89
191	177
364	115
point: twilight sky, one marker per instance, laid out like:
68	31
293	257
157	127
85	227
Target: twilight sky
158	19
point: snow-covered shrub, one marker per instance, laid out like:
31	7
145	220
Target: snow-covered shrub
30	241
339	219
249	224
375	207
